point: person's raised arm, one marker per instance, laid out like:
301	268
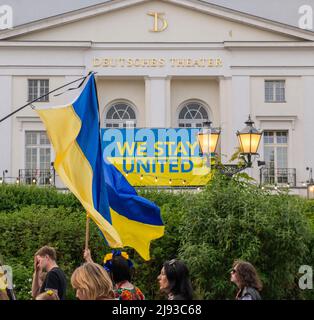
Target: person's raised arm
36	278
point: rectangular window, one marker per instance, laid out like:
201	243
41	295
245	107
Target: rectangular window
275	91
37	158
37	88
276	156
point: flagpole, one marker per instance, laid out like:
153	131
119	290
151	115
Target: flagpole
87	231
45	95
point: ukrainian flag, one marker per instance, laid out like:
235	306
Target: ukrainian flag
124	218
136	219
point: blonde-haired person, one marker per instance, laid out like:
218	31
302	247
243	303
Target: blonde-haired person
92	282
48	295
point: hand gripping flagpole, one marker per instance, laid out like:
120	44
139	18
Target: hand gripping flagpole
47	94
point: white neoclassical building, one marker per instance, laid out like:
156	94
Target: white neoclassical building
174	63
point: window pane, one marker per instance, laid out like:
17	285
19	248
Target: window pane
274	90
269	155
282	137
44	89
276	156
32	89
118	114
44	159
44	138
193	114
268	137
188	115
131	113
204	113
280	91
282	157
182	113
269	91
30	138
30	158
37	157
37	88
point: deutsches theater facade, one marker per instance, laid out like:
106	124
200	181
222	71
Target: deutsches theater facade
164	64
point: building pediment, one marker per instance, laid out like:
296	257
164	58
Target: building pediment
156	21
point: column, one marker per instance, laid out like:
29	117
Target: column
225	107
157	102
307	136
240	110
241	100
6	125
235	108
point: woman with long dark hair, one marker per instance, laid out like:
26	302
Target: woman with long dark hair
245	277
174	280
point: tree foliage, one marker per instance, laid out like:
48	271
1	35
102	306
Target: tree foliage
229	219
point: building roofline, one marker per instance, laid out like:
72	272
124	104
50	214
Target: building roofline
196	5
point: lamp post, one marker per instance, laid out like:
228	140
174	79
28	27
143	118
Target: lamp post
2	179
310	185
249	140
208	139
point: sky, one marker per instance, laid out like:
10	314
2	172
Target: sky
286	11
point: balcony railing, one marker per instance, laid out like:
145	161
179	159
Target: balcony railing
280	176
35	176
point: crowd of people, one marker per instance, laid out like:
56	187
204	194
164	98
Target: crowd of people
113	279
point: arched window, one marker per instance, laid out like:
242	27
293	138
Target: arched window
192	115
120	115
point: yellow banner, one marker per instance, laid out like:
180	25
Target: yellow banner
156	157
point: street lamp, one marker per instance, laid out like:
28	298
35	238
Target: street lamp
249	139
310	191
208	139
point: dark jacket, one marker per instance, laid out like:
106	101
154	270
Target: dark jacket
249	293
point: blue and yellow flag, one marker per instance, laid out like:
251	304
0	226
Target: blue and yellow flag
124	218
136	219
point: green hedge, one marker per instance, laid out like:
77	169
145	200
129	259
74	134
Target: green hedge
235	219
16	197
208	229
31	217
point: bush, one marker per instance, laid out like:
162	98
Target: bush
233	219
23	232
26	224
14	197
229	219
309	294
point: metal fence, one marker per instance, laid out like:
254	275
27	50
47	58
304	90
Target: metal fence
36	177
280	176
